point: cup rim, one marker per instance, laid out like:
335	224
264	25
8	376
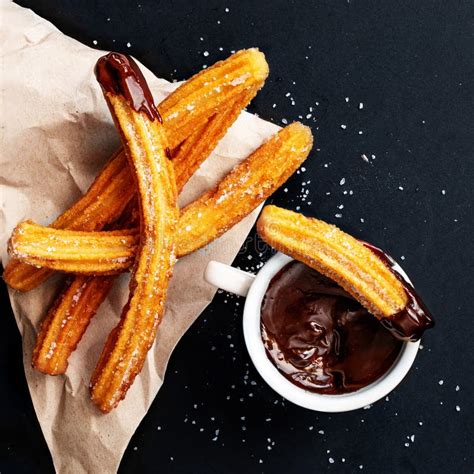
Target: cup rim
291	392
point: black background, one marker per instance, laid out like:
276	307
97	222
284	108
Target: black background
410	64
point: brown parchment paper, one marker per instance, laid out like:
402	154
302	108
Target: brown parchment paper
56	135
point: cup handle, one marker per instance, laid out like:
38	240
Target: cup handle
228	278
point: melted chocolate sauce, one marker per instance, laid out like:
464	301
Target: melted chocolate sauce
409	323
319	336
119	74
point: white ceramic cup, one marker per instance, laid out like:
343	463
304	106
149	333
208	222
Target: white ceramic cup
253	287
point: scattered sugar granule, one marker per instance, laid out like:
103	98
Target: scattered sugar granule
361	105
364	157
94	42
321	432
402	257
458	408
205	54
400	188
458	388
362	220
226	10
338	215
129	44
331	461
443	192
342	182
441	382
347	99
343	126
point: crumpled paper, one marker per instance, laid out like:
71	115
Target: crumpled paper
56	135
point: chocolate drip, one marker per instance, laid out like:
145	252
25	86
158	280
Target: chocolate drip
319	336
119	74
410	322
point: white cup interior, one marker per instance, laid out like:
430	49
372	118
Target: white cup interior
257	286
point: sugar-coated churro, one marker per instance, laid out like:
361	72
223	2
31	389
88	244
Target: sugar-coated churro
244	188
74	251
143	136
362	270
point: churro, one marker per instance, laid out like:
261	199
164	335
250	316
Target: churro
74	251
361	269
143	136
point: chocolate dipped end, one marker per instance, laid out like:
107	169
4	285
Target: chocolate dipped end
118	74
411	322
